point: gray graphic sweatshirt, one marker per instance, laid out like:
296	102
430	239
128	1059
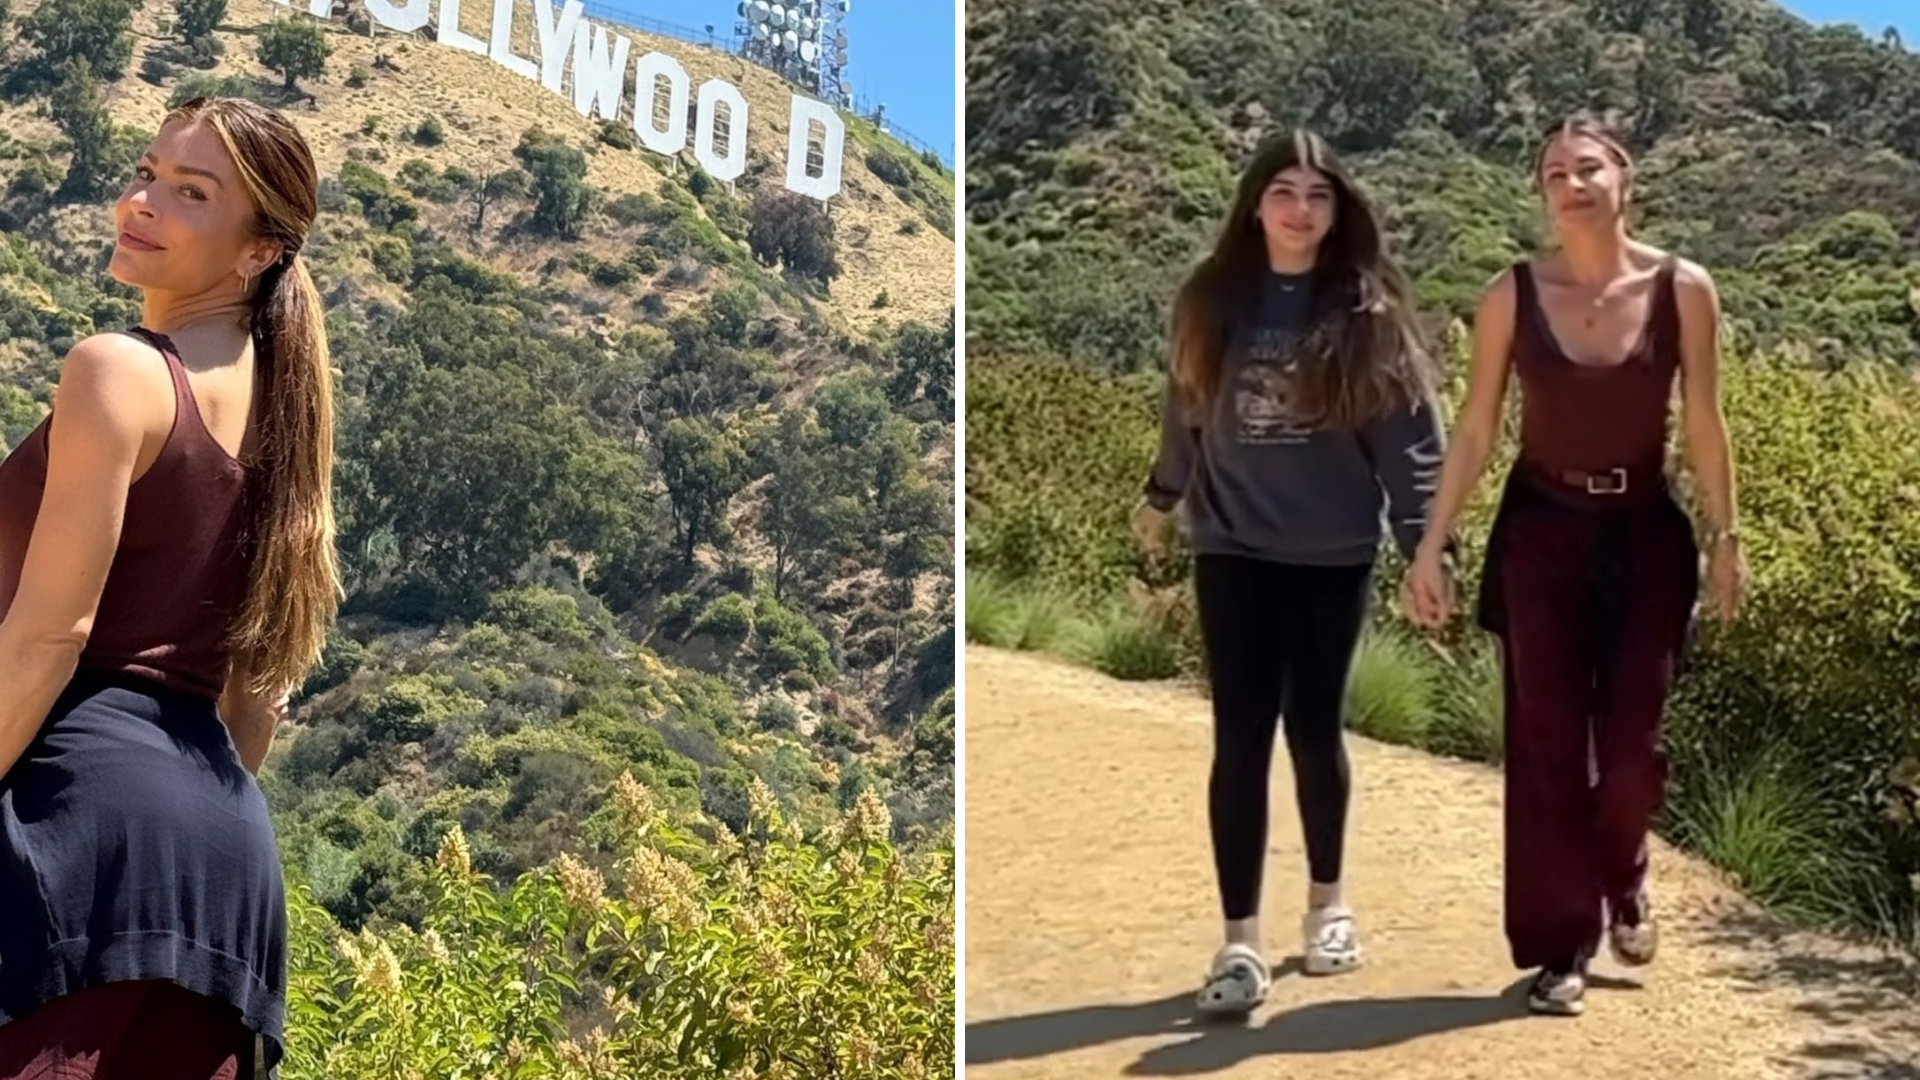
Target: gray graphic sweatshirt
1257	483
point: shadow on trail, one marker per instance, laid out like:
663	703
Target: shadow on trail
1867	999
1321	1028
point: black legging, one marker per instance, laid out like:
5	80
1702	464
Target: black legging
1280	639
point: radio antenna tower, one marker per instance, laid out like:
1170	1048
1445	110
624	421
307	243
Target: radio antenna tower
805	41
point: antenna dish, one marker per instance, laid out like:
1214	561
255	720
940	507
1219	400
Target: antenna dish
744	8
792	40
761	9
809	52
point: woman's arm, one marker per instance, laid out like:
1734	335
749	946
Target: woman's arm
1703	423
109	405
1476	431
250	718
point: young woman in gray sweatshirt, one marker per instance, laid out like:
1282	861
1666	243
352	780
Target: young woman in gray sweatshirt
1299	416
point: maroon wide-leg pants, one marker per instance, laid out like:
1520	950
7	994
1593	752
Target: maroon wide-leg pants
128	1031
1591	601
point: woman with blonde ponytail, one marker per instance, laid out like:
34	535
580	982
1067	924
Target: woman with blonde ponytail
167	577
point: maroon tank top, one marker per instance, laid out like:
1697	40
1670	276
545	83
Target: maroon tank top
1592	418
179	575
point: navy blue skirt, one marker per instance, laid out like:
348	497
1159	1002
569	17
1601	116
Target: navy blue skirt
135	846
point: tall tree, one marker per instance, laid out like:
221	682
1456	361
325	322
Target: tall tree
295	47
195	19
704	467
99	31
80	110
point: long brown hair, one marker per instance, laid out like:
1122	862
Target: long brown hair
293	583
1362	355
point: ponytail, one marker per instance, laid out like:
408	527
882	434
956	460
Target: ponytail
293	578
293	573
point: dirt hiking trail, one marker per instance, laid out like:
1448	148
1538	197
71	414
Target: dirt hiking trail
1091	915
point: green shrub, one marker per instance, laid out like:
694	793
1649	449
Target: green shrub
1056	455
777	714
412	707
198	85
548	616
1393	690
729	616
1128	644
393	257
788	642
665	934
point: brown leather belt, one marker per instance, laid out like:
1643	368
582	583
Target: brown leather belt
1606	482
1599	486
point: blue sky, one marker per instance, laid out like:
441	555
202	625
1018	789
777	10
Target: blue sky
1872	16
897	53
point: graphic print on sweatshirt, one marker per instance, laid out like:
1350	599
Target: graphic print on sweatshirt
1264	403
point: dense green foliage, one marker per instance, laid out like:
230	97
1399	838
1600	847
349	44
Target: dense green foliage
757	954
1102	150
641	514
1102	139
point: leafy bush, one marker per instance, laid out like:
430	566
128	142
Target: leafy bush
392	256
156	70
1056	455
794	231
729	616
688	955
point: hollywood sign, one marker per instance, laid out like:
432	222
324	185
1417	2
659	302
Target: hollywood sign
599	84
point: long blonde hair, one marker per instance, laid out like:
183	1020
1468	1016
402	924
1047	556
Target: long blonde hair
293	577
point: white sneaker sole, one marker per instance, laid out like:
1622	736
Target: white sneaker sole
1548	1007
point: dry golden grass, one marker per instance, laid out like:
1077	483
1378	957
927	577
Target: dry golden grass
484	109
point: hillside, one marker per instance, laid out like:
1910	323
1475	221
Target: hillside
644	492
1103	142
1102	139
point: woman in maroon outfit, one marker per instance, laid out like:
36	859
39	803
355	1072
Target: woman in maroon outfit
1592	567
167	576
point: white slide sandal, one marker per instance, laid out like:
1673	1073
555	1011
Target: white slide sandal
1332	943
1238	983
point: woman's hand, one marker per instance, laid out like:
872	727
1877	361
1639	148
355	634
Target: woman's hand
1427	591
1150	528
1727	576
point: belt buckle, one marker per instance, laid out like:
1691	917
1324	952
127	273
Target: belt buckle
1618	485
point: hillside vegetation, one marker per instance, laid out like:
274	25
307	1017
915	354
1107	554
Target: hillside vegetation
1100	156
633	748
1102	140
